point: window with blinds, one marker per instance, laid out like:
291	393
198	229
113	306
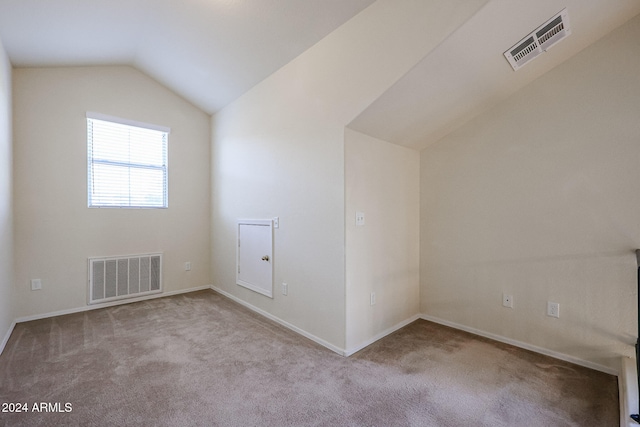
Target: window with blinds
127	163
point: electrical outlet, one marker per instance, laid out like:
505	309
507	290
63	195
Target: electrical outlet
36	284
360	220
507	300
187	266
285	289
553	309
372	298
276	222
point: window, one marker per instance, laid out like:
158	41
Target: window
127	163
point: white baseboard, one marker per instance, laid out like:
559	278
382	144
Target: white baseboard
381	335
108	304
336	349
284	323
526	346
6	337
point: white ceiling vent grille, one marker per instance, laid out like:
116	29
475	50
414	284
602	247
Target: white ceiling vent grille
541	39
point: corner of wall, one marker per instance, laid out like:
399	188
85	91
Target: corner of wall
382	254
6	200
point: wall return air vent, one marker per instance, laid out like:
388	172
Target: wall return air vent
120	277
541	39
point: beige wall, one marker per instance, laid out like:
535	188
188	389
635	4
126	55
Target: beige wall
279	151
382	181
540	198
535	198
6	203
55	232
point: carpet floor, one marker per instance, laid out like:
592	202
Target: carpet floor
199	359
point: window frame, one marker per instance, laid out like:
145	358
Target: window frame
90	115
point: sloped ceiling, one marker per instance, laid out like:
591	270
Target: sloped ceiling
467	73
212	51
208	51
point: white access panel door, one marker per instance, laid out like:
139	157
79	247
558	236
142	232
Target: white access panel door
255	256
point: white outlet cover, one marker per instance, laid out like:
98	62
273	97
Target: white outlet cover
507	300
359	218
553	309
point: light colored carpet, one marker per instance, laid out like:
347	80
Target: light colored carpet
199	359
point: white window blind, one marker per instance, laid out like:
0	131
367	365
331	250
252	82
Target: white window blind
127	163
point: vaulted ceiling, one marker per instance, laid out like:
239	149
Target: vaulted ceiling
212	51
467	73
208	51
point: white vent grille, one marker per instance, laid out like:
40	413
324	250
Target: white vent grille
539	41
115	278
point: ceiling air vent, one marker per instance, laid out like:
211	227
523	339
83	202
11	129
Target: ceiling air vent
541	39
